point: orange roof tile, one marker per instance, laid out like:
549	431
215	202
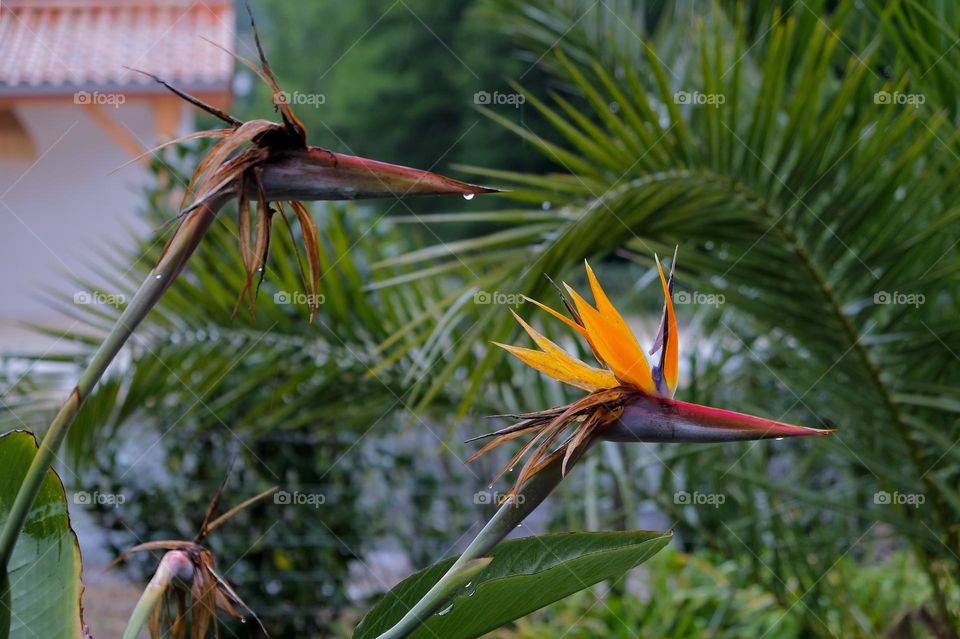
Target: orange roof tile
52	47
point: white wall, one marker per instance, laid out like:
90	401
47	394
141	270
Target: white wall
58	215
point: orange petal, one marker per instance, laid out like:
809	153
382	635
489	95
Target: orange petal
572	324
560	316
561	367
613	339
553	350
671	344
545	344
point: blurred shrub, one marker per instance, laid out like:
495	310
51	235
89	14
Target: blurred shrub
684	596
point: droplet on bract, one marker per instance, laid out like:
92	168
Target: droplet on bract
159	277
445	611
778	439
468	196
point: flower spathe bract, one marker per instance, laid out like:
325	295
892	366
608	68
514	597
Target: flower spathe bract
628	399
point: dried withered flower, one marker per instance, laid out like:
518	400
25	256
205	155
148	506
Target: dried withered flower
188	573
270	167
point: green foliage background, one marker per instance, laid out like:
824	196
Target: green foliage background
797	201
398	79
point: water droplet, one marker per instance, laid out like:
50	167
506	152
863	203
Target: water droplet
159	277
468	196
778	439
470	590
445	611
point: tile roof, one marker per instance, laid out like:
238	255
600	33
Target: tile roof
55	47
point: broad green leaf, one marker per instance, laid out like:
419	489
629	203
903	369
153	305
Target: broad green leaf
525	575
44	576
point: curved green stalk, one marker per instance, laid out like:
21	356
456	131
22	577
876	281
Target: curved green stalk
510	514
303	174
151	598
146	297
175	563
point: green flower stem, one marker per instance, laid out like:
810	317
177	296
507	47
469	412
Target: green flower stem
175	563
510	514
304	174
150	599
181	247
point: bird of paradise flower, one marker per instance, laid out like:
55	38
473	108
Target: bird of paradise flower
627	400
